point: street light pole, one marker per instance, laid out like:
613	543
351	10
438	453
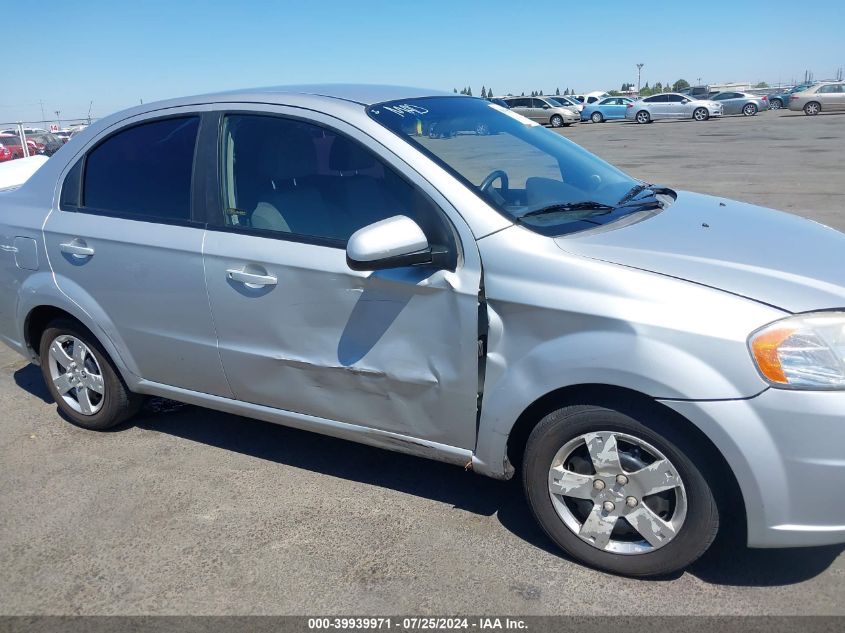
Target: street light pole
639	75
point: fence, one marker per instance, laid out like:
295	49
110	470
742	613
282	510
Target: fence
23	130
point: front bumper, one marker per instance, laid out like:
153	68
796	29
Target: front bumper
787	451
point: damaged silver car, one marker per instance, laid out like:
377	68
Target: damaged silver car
655	364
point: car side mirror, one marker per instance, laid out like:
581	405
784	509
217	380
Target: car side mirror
545	106
392	243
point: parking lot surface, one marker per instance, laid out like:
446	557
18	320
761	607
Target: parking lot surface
187	510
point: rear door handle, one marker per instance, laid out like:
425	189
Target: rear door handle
251	279
77	249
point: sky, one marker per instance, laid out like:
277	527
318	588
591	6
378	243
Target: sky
119	52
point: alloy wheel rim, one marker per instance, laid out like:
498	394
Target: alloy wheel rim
812	108
556	121
76	375
642	117
617	493
596	117
749	110
699	114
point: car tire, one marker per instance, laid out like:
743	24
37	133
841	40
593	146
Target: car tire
687	514
749	109
701	114
82	379
812	108
556	121
775	104
643	117
596	117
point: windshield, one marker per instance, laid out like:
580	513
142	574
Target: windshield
529	173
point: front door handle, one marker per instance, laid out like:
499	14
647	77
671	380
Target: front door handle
254	280
77	249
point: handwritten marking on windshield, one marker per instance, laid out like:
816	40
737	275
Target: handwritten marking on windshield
406	108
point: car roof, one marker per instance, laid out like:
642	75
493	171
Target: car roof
365	94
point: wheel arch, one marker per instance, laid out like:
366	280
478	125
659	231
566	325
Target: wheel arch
42	301
634	403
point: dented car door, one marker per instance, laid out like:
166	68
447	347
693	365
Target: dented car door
394	349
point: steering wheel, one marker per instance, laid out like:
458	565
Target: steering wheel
486	186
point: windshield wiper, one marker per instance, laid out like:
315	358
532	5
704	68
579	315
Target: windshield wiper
586	205
636	190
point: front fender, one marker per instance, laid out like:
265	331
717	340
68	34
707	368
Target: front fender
558	320
41	290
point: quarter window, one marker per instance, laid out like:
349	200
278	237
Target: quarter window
143	171
299	180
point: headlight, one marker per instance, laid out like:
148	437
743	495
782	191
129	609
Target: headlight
802	352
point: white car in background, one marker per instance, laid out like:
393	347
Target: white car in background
671	105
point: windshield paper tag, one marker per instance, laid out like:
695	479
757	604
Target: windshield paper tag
514	115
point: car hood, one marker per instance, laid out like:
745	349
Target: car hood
765	255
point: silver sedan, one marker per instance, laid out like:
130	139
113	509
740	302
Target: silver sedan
671	105
741	103
309	256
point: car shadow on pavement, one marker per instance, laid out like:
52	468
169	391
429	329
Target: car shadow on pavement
726	563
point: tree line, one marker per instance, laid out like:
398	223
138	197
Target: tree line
487	93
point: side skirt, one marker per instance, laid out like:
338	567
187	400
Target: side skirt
353	432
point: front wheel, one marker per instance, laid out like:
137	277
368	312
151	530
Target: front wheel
749	109
701	114
82	379
556	120
812	108
617	493
776	104
597	117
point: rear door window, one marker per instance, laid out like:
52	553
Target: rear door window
143	171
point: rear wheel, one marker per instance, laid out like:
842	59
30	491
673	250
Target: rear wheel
596	117
701	114
620	493
812	108
776	104
643	117
82	379
556	120
749	109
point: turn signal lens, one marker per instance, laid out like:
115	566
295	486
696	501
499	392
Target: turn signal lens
802	352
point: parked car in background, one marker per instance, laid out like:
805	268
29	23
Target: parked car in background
63	135
13	143
543	110
780	100
672	105
821	97
606	109
698	92
498	101
46	143
502	304
591	97
8	148
569	102
741	103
